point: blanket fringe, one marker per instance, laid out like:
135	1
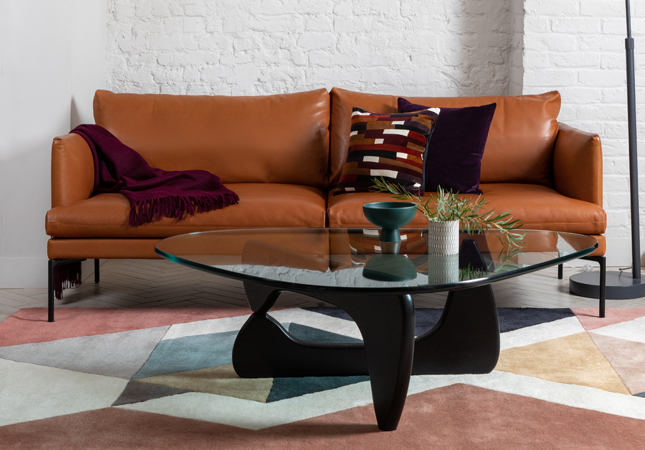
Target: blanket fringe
176	207
66	276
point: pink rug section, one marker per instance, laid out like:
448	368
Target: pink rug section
453	417
589	319
29	325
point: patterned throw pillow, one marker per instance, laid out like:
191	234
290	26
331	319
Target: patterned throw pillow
391	146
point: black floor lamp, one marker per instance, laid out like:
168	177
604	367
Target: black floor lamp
621	285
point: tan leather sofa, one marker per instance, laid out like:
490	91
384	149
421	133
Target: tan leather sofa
282	154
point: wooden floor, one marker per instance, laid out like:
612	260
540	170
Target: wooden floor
160	283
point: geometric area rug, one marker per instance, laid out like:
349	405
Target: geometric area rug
163	378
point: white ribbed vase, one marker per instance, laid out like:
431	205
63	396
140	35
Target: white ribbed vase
443	269
443	238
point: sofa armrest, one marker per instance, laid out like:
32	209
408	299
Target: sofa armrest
72	170
577	165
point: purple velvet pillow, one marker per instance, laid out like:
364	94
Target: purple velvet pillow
454	156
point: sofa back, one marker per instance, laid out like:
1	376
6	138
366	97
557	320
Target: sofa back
520	141
250	139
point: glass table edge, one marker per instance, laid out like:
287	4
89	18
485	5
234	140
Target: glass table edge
422	289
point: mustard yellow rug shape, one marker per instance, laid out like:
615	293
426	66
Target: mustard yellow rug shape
220	380
572	359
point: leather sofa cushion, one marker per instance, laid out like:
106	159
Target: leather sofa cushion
261	206
540	208
520	141
251	139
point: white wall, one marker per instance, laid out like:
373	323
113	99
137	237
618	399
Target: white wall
88	43
39	46
578	48
444	47
516	60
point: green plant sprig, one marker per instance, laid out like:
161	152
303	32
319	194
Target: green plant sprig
450	207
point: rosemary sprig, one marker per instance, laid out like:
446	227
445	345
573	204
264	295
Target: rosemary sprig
447	206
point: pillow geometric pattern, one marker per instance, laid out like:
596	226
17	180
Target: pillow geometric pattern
389	146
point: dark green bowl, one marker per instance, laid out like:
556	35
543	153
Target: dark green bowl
390	216
389	268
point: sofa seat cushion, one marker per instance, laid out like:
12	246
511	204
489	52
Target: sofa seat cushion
262	205
539	207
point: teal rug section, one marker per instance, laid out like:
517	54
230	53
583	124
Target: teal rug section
189	353
284	388
309	334
136	392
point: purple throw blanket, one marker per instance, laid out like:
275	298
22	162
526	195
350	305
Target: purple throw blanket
153	193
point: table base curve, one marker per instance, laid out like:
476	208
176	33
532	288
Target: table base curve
465	340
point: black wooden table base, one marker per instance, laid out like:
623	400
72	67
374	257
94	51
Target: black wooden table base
465	340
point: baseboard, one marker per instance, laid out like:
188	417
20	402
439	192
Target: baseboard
21	272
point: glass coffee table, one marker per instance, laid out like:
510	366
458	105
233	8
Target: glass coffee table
374	283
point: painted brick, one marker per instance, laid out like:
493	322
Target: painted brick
347	43
551	77
193	24
602	8
601	43
614	61
552	7
601	78
614	25
616	183
596	111
195	10
576	25
551	42
573	59
315	41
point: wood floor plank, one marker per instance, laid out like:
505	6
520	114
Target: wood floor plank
160	283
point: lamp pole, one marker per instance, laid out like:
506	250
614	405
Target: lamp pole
633	154
620	285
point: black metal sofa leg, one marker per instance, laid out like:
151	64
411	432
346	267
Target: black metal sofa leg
560	271
97	274
52	263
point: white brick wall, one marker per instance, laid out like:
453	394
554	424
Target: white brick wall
578	47
516	60
413	47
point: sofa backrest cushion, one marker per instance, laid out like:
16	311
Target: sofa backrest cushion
251	139
520	142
